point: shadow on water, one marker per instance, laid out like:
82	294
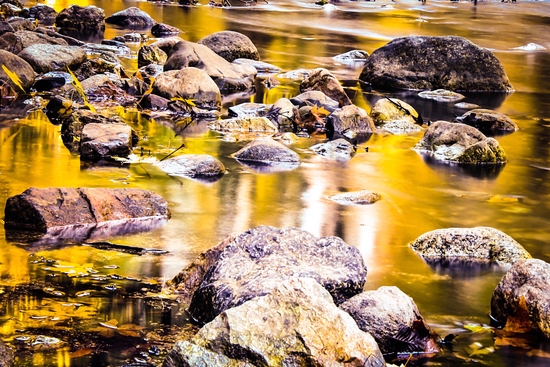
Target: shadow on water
462	269
479	171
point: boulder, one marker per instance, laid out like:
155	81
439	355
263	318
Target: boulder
356	197
105	140
228	77
393	319
349	118
520	300
295	324
18	66
25	38
164	30
7	357
322	80
192	165
267	151
43	13
387	110
71	41
244	124
189	83
254	262
339	149
20	24
5	27
428	62
40	210
315	98
89	18
353	55
131	18
261	66
488	121
460	143
231	45
480	244
44	58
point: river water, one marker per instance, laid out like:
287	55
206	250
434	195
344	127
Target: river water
417	195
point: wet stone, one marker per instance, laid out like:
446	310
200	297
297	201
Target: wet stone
356	197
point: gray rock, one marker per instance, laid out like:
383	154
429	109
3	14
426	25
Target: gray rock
268	151
339	149
298	74
50	208
322	80
189	83
353	55
164	30
349	118
105	140
7	357
44	58
257	260
482	244
71	41
441	95
448	62
460	143
131	18
231	45
520	300
488	121
228	77
387	110
466	105
286	114
401	127
296	324
19	40
261	67
192	165
244	124
89	18
43	13
391	317
356	197
248	109
316	98
19	66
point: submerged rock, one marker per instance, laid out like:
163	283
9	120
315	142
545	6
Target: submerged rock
393	319
89	18
231	45
339	149
296	323
322	80
460	143
520	300
45	209
488	121
131	18
426	62
356	197
192	165
267	151
483	244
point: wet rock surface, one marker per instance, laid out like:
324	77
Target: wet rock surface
244	124
44	58
361	197
322	80
231	45
349	119
488	121
268	151
81	18
105	140
131	18
17	65
339	149
388	110
192	165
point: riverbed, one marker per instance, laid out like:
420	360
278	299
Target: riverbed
418	195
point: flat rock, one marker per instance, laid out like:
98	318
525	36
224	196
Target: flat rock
44	58
192	165
268	151
131	18
105	140
49	208
231	45
322	80
339	149
19	40
261	66
441	95
353	55
244	124
361	197
488	121
482	244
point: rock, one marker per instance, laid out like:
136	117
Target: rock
228	77
153	102
89	18
6	27
9	10
482	244
167	44
133	38
261	67
488	121
45	58
460	143
401	127
107	87
50	208
426	62
164	30
105	141
298	74
387	110
441	95
466	105
16	42
353	55
109	53
151	71
267	151
189	83
520	300
100	66
59	109
244	124
315	98
52	33
322	80
296	324
286	114
257	260
231	45
339	149
20	24
43	13
7	358
19	66
349	118
192	165
131	18
356	197
393	319
249	109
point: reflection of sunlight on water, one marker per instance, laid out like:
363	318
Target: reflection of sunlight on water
243	200
366	239
315	208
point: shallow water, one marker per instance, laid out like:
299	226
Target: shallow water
417	194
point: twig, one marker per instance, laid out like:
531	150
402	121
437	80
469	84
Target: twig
181	146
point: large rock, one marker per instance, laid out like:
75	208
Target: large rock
18	66
231	45
520	301
482	244
7	357
295	324
322	80
132	18
44	58
349	119
460	143
426	62
253	263
488	121
89	18
192	165
339	149
19	40
189	83
229	77
105	140
50	208
393	319
267	151
44	14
